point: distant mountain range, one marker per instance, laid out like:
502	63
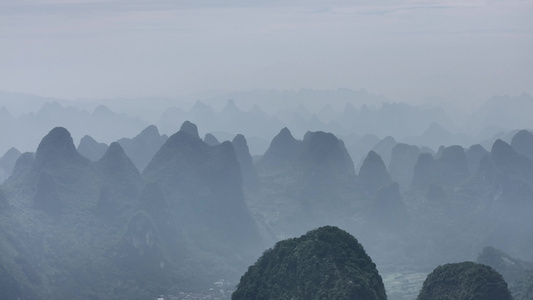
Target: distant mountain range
260	114
147	213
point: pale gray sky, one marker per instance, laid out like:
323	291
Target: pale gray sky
131	48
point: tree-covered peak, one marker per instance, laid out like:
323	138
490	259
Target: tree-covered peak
325	263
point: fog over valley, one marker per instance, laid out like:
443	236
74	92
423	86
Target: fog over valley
304	150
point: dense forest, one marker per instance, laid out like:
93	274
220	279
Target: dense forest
326	263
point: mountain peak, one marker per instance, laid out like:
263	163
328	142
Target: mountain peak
211	140
373	173
332	259
151	130
56	146
283	149
190	129
115	158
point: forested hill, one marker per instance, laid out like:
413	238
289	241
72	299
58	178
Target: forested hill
325	263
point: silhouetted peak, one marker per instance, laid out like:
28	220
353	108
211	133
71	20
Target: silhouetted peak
102	110
12	153
114	151
435	128
49	107
474	154
230	106
257	111
87	139
190	129
211	140
249	176
115	159
201	108
522	142
373	173
91	149
285	133
373	159
239	140
150	131
401	149
319	137
284	149
57	145
501	148
23	163
349	111
477	149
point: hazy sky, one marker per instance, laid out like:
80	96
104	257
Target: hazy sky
133	48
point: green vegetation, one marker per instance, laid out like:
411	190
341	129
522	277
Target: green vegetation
326	263
464	281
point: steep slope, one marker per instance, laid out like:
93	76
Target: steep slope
203	186
325	263
250	179
121	182
283	150
373	174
